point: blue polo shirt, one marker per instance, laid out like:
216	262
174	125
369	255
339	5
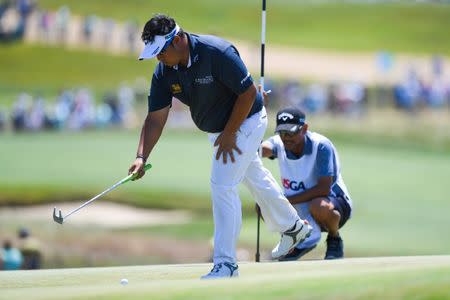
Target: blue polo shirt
210	85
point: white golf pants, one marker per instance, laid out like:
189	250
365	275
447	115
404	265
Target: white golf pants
278	213
305	214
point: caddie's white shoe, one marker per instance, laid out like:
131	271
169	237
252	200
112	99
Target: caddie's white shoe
222	270
291	238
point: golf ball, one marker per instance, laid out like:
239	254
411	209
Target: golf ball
124	281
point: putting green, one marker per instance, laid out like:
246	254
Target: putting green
360	278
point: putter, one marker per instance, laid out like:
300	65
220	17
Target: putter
58	218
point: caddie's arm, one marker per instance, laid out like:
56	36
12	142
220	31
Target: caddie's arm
322	189
327	172
151	131
266	150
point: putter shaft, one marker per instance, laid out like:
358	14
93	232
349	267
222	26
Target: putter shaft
60	219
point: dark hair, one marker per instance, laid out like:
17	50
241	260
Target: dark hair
158	25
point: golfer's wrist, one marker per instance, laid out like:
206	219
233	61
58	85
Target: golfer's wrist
140	156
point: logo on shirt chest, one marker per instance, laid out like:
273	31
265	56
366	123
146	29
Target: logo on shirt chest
293	185
176	88
204	80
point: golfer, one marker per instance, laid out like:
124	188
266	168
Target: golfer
207	74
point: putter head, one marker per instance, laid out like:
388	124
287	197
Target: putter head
58	219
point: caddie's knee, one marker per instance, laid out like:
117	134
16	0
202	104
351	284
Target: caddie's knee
321	209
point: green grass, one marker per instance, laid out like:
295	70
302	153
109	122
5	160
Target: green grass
90	160
376	278
45	70
403	27
399	193
79	165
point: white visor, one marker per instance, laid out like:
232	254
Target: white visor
151	49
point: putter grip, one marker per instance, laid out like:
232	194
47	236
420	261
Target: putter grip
132	176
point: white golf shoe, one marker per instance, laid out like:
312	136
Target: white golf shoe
291	238
222	270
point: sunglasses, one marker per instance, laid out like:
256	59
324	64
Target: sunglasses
289	133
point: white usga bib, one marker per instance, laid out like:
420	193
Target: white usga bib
298	175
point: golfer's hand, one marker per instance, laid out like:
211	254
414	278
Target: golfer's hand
265	95
138	168
226	143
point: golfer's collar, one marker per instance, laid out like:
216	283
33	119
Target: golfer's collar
193	54
188	65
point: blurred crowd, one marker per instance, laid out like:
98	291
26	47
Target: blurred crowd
25	19
13	18
23	253
314	98
61	27
414	93
75	109
411	94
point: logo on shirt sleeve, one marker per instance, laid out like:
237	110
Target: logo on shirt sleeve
176	88
245	78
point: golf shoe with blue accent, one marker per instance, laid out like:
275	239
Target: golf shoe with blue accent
222	270
291	238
